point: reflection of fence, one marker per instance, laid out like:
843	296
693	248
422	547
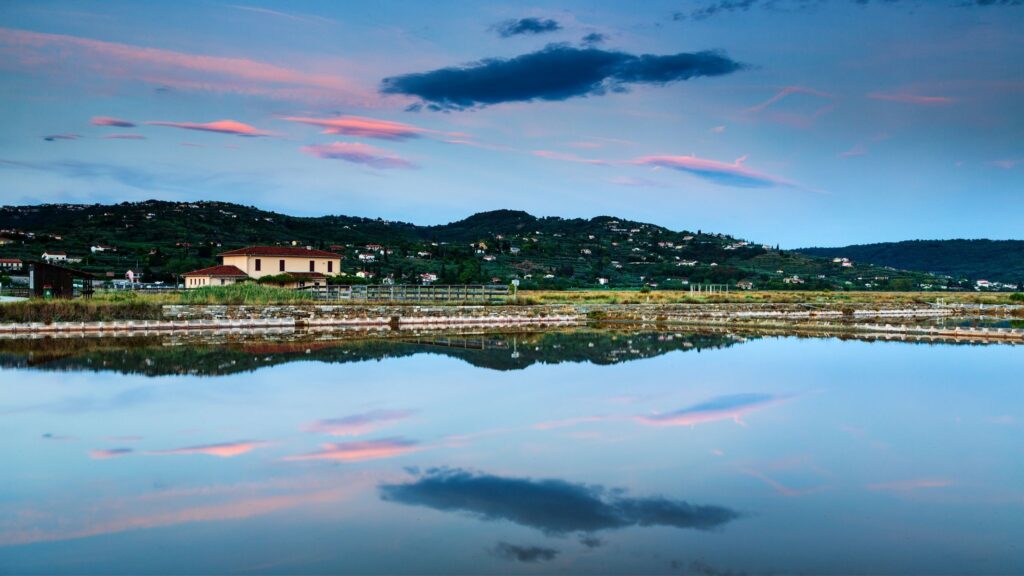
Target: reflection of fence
412	293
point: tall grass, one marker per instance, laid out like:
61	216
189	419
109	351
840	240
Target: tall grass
244	293
48	311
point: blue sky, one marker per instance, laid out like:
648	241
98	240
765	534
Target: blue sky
793	122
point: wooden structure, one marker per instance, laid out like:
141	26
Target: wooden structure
47	280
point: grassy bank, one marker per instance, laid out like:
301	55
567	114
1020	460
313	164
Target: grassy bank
111	306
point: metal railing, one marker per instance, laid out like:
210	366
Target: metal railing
412	293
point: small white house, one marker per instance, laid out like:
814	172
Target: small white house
55	256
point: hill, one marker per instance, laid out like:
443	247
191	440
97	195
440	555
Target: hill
164	239
994	260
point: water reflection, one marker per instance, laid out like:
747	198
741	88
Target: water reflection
591	451
215	355
550	505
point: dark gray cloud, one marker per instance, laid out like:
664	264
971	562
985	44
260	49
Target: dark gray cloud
594	38
549	505
558	72
515	27
591	541
528	554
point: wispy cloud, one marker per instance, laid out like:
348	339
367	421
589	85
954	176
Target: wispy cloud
368	127
910	485
732	407
358	153
360	451
65	136
85	59
124	137
566	157
221	450
358	424
279	14
907	98
220	126
110	121
108	453
724	173
801	113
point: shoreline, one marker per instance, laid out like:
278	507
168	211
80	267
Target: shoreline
889	322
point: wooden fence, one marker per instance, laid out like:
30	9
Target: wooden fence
412	293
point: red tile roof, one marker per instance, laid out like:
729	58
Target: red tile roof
10	261
225	271
279	251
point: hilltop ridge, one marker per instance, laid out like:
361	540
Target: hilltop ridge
164	238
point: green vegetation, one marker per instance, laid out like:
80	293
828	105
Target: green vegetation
48	311
242	293
994	260
164	239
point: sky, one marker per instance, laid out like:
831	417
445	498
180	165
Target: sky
792	122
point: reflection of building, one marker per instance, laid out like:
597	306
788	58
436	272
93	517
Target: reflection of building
290	267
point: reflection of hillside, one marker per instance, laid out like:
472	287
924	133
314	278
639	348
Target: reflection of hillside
153	356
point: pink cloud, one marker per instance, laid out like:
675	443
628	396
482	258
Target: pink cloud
552	155
360	451
98	518
909	485
222	450
358	153
358	424
724	173
363	127
857	150
86	58
220	126
124	137
768	110
109	453
911	98
732	407
1005	164
109	121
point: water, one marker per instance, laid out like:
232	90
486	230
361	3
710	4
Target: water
584	452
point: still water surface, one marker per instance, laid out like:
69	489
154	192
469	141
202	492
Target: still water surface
584	452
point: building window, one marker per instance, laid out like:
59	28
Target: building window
280	265
258	264
330	266
221	281
312	265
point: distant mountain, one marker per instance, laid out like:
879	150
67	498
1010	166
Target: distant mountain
163	239
994	260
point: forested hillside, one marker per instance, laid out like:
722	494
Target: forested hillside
164	239
996	260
